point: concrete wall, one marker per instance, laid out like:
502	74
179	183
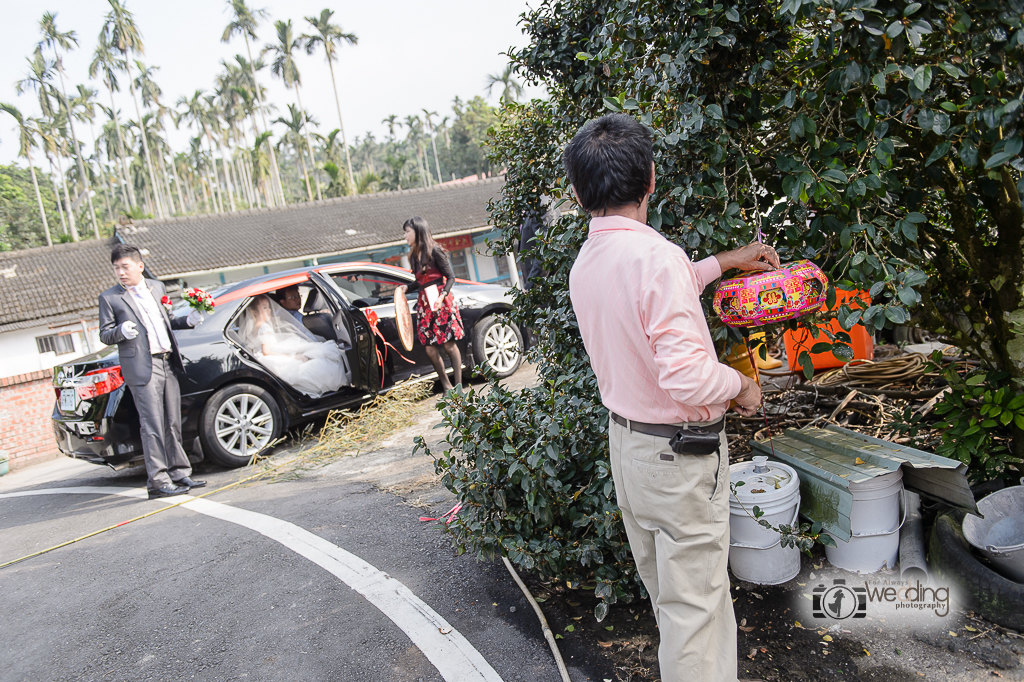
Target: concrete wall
26	409
19	353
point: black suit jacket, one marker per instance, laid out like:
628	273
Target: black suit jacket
116	307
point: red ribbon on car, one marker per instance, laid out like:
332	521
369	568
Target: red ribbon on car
374	320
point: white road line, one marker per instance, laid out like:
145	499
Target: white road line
451	653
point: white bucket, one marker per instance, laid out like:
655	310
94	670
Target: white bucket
875	524
756	554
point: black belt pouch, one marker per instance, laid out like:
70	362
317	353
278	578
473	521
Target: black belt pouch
695	442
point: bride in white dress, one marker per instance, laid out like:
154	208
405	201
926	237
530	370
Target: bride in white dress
292	352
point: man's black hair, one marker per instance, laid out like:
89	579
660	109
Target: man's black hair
609	162
125	251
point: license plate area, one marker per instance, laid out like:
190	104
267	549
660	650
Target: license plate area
68	400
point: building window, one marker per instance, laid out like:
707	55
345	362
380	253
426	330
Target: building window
58	344
459	264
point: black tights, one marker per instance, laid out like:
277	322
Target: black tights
454	355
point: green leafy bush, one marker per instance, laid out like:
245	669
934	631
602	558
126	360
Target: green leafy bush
977	418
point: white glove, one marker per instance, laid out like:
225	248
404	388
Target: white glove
129	330
194	319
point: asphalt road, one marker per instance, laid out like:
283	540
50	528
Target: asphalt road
327	576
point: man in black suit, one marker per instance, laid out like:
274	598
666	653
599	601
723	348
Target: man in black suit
133	315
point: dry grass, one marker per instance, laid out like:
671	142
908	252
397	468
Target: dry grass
348	433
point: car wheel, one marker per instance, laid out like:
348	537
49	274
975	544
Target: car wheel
239	421
498	346
995	597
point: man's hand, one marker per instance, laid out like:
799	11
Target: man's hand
749	398
129	330
754	256
194	319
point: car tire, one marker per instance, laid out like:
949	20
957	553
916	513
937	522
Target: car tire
238	422
993	596
497	346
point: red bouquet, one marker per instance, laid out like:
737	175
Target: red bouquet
199	300
166	302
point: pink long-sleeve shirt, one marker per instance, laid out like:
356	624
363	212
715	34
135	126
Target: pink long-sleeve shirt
636	298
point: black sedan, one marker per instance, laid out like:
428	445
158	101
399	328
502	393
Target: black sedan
232	406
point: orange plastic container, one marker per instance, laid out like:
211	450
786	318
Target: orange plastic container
861	342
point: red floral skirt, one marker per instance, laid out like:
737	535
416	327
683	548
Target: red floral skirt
438	327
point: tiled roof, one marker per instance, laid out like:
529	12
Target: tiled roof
185	245
53	284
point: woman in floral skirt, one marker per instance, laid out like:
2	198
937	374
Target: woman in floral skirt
440	324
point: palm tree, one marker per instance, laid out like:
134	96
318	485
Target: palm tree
295	126
511	90
415	138
38	79
367	182
54	39
52	134
260	159
151	92
121	33
391	122
430	126
83	108
199	113
329	35
285	68
106	61
245	22
26	140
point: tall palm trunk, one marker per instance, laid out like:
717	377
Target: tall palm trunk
437	164
39	198
309	144
67	198
305	172
275	171
145	144
132	202
341	124
78	151
56	194
103	171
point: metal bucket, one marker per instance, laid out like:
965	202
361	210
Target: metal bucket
1000	535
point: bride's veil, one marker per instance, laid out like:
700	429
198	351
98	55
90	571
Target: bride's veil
282	324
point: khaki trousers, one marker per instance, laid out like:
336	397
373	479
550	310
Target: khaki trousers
676	514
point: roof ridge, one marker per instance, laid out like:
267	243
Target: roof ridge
55	248
317	202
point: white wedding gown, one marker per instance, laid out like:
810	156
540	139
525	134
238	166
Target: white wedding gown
295	355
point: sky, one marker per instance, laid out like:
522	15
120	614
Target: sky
410	56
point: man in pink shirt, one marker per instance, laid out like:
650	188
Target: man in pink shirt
636	298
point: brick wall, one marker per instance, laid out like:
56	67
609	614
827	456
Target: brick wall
26	408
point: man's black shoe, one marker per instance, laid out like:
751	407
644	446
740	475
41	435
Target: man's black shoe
189	483
167	491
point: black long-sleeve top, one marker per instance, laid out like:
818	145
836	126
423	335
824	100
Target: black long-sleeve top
440	265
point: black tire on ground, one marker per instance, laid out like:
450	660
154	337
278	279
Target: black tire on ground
237	422
498	346
990	594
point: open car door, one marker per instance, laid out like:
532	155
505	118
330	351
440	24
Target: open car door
351	326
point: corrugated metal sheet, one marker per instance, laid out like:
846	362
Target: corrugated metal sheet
827	461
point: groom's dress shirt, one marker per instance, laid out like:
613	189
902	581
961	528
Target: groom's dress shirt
156	329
